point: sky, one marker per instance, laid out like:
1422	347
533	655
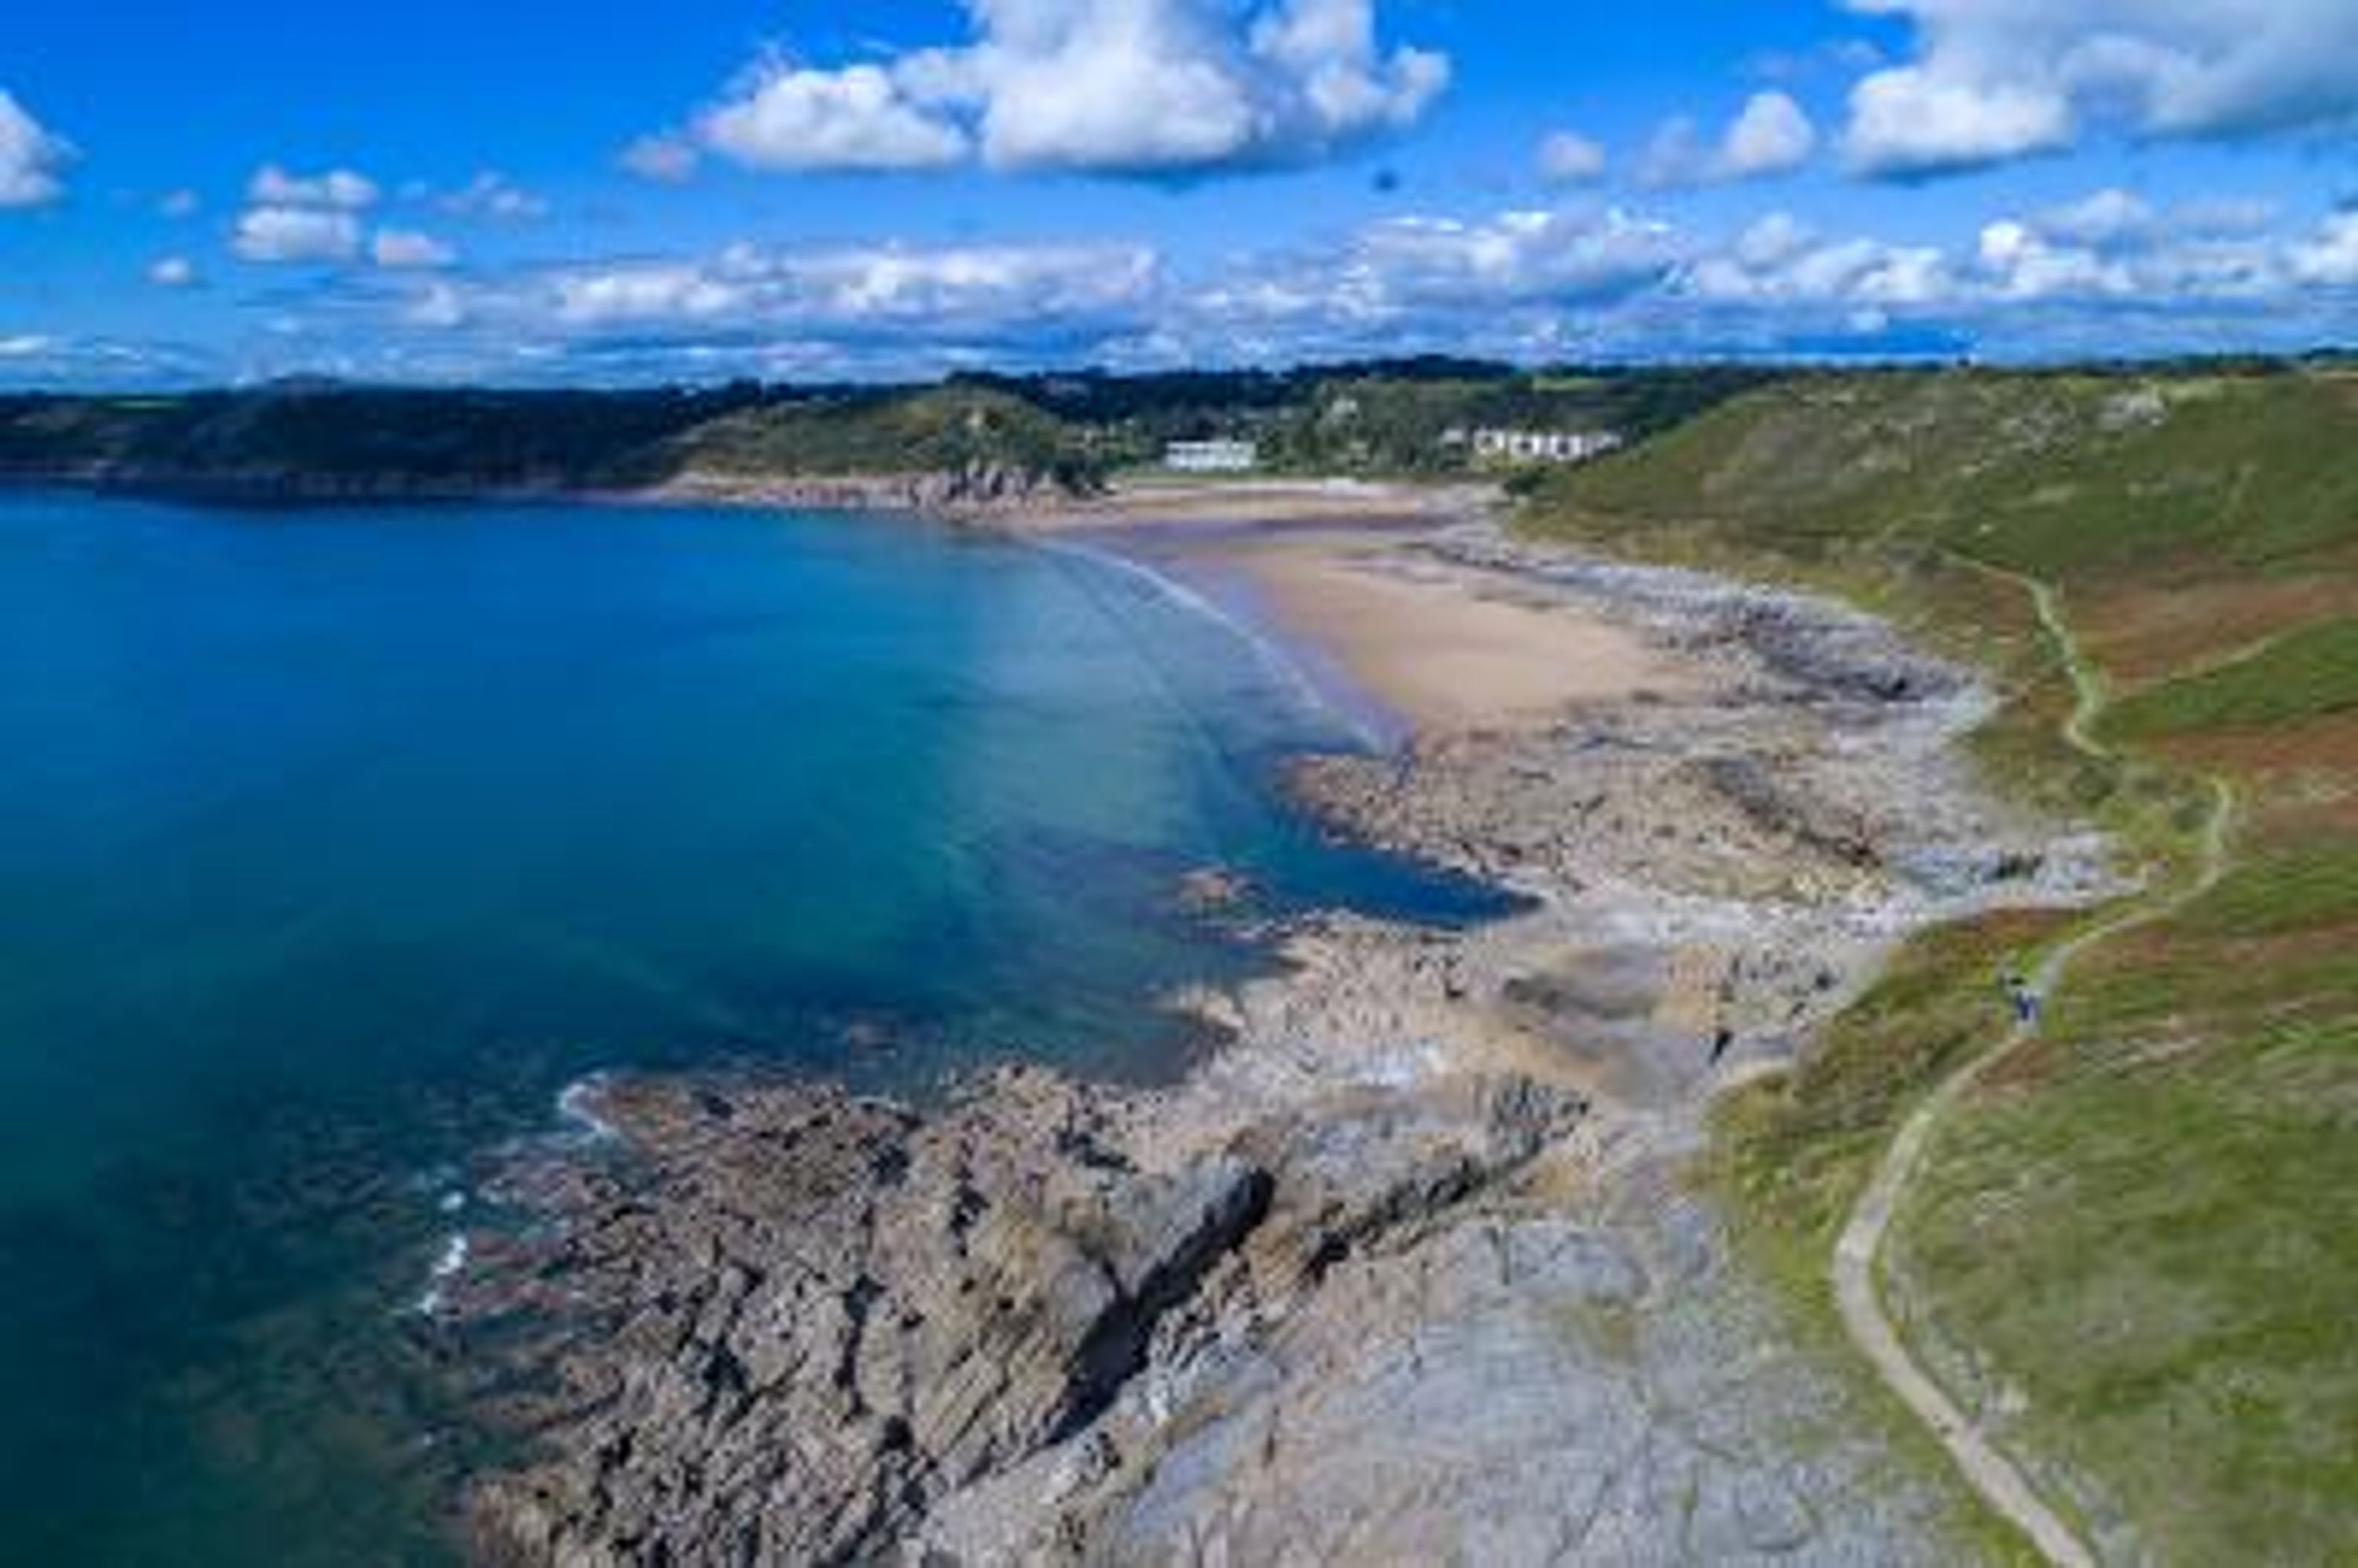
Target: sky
530	193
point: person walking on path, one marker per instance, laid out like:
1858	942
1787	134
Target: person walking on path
2023	999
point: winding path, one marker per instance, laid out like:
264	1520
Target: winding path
1996	1477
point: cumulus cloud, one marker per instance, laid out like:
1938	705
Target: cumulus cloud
1992	81
338	189
858	118
317	220
1567	157
172	272
1771	135
818	310
493	195
55	359
33	159
1564	256
2107	219
439	306
2111	273
1124	87
1779	261
408	249
293	234
2330	256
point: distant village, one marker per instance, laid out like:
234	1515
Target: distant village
1492	447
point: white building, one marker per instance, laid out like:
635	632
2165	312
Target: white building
1212	457
1544	446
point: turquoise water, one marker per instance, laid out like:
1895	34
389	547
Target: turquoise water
334	843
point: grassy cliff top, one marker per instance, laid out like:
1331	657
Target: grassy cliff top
936	429
2134	1247
2057	474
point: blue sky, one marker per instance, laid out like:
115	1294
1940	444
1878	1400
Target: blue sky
532	192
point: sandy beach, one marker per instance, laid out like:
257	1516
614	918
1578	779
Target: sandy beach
1450	651
1339	570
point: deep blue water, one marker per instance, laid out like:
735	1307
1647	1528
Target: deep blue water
334	842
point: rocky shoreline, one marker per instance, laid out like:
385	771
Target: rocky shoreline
1405	1272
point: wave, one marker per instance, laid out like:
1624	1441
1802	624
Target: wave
449	1264
1275	656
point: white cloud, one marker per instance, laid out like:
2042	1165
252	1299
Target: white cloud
316	219
172	272
2109	274
1912	121
1778	262
338	189
2107	219
1992	81
2019	262
858	118
275	234
408	249
493	195
929	298
1771	135
1134	87
1524	255
1567	157
2224	215
2330	256
32	159
438	307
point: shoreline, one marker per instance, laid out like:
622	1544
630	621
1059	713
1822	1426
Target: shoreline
1013	505
1152	1287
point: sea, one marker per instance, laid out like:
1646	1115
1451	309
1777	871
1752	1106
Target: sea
336	843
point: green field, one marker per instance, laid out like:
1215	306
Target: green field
2135	1245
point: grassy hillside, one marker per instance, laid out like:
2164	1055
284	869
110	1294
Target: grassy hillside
323	439
2135	1246
940	430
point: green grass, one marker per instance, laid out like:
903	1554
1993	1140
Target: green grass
2309	673
2056	475
1798	1151
940	430
2144	1222
2138	1242
2286	892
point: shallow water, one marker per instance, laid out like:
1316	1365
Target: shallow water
334	843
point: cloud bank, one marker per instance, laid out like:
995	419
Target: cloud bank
33	159
1113	87
1994	81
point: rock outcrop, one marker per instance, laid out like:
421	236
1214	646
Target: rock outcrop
788	1322
979	490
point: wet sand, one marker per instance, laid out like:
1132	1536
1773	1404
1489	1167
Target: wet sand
1449	650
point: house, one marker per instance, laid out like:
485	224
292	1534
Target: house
1212	457
1498	446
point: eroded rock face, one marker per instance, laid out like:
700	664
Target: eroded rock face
799	1317
787	1322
